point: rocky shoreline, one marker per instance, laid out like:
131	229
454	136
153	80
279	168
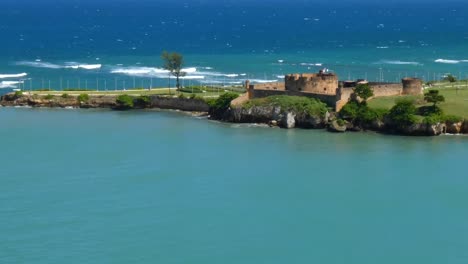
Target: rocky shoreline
272	115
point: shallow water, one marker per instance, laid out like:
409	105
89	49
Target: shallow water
85	186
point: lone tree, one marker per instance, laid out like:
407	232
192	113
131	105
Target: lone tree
364	92
434	97
173	62
450	78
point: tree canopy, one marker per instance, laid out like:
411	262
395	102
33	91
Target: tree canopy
363	91
173	62
434	97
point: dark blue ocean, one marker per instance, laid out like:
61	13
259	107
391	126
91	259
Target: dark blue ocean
117	44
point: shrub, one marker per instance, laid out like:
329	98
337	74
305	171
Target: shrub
350	111
361	113
65	95
429	110
182	96
340	122
142	101
452	118
434	97
402	114
18	94
193	96
124	102
49	97
222	102
432	119
83	98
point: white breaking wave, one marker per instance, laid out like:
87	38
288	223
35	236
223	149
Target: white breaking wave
19	75
9	84
38	64
382	47
448	61
311	64
398	62
192	73
68	65
83	66
150	72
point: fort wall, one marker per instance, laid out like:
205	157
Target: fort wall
321	83
325	87
412	86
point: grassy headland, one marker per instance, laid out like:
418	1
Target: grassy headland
456	99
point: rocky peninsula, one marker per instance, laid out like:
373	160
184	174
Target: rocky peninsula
280	111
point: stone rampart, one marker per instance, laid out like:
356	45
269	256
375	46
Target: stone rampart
386	89
183	104
412	86
321	83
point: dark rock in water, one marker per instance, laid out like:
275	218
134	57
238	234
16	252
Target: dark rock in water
464	128
268	114
454	128
335	127
424	129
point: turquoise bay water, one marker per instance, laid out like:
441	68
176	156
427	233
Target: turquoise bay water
79	186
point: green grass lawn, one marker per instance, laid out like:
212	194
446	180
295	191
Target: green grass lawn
456	100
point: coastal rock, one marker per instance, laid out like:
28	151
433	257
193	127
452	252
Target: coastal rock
454	128
464	128
335	127
424	129
288	120
305	120
273	123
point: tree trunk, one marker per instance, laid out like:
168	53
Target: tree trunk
177	82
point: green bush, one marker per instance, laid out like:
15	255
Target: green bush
403	113
428	110
83	98
18	94
49	97
142	101
65	95
340	122
452	118
125	101
350	111
193	96
182	96
222	102
432	119
360	113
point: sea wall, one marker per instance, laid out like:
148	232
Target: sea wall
183	104
101	101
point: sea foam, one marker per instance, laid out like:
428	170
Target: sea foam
398	62
19	75
9	84
68	65
447	61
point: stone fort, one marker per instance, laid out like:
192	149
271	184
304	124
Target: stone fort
327	88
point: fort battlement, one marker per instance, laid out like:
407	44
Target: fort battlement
326	87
